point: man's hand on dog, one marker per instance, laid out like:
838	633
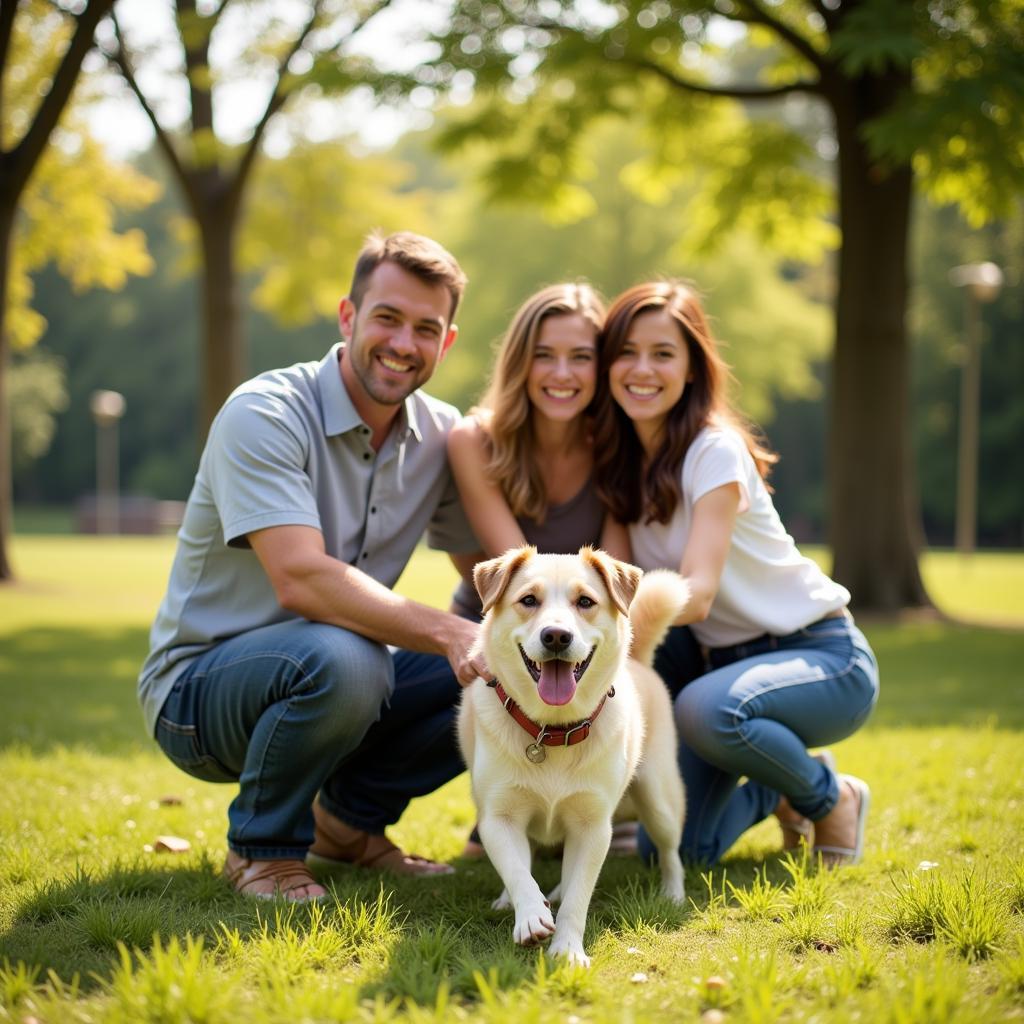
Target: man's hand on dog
466	661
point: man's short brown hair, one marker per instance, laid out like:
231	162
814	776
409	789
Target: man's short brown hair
419	255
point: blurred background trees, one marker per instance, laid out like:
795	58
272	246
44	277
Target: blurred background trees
738	198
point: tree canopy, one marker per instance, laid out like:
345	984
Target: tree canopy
58	191
917	93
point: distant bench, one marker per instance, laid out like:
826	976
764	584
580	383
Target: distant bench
135	514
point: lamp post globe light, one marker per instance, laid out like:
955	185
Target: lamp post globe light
981	283
107	408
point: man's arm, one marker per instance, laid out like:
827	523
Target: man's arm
310	583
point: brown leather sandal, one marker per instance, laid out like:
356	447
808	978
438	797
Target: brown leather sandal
287	876
336	843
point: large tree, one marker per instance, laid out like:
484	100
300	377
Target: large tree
42	46
272	52
919	93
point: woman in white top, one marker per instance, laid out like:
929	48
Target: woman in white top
784	666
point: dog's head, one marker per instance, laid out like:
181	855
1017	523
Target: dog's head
556	627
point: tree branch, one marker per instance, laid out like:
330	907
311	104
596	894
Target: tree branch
122	61
280	95
25	155
759	16
735	91
215	16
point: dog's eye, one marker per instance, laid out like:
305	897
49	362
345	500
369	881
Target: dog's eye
529	601
585	602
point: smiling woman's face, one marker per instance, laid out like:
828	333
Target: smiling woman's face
563	371
651	372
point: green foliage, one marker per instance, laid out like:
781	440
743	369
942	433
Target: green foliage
36	393
962	124
70	209
968	914
773	331
876	36
949	96
308	215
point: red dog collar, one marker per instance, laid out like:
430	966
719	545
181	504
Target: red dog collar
547	735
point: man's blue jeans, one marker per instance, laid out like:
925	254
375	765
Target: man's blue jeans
300	707
754	715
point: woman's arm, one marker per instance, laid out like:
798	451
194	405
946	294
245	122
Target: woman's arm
714	515
615	539
493	523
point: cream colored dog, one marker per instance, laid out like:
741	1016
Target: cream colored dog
575	718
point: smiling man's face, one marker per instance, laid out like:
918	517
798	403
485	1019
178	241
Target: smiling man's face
397	336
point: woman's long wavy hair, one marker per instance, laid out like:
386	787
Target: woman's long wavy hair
512	462
632	488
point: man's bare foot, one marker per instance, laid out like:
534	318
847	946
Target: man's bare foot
839	836
270	879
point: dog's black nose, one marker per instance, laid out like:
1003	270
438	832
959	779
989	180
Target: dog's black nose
556	640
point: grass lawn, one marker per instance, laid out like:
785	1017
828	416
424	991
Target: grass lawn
96	927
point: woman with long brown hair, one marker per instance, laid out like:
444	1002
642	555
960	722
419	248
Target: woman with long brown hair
784	666
523	458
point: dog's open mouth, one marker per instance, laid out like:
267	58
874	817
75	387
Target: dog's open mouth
556	679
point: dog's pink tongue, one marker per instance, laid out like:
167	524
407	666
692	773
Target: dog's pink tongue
557	684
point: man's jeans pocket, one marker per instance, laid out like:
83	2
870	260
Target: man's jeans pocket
180	742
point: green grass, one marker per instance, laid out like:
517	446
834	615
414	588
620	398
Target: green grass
95	927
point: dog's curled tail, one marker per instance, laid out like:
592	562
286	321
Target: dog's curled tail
660	598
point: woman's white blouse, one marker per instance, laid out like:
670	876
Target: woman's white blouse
767	586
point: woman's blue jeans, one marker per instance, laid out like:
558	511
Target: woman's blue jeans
300	707
754	715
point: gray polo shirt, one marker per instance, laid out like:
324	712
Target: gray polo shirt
289	448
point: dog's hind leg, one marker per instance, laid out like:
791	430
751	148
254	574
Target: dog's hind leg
657	791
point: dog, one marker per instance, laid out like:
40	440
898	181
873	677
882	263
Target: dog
574	721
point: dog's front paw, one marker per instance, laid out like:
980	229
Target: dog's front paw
570	947
534	923
673	891
502	902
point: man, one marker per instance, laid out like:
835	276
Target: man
267	662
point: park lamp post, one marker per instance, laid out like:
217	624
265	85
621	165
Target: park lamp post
107	408
981	283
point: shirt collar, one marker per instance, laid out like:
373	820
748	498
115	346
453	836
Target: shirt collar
340	415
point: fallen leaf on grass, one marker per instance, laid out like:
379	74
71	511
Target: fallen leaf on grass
171	844
170	801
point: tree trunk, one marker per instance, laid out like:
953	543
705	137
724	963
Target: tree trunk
874	517
6	454
223	357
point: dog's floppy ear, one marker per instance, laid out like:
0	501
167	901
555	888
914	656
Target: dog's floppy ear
620	578
493	576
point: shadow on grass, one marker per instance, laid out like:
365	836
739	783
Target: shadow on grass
937	673
77	686
72	687
408	938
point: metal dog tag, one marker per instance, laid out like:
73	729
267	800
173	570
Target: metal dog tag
535	753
